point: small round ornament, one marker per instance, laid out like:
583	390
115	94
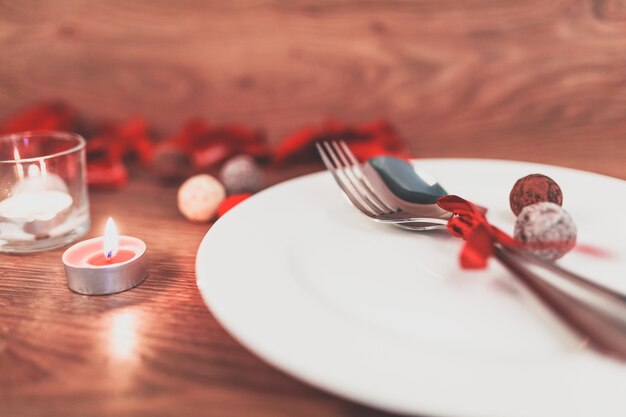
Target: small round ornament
241	175
199	197
534	188
171	163
546	230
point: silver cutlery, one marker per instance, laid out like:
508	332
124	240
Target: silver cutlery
594	312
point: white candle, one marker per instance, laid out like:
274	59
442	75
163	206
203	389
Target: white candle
39	179
38	202
35	205
37	211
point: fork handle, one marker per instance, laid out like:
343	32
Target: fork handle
595	315
554	268
567	274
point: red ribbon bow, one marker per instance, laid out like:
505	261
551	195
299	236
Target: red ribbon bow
470	223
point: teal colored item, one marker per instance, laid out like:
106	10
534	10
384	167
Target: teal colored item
404	183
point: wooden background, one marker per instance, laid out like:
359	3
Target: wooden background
540	80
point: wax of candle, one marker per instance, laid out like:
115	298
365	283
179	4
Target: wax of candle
122	255
35	205
38	180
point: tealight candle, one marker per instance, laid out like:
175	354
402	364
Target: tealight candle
44	201
39	201
37	211
107	264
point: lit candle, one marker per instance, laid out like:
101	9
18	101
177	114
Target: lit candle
38	202
106	264
111	254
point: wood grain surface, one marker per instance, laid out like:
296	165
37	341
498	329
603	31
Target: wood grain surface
539	80
155	350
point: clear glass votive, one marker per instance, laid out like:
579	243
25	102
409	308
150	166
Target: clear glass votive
43	191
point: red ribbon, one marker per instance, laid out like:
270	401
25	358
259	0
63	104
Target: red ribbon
366	140
470	223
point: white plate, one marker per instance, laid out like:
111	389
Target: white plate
387	317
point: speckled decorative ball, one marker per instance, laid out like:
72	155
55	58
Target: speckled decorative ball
546	230
199	197
534	188
241	175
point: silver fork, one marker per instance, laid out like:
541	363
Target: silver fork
594	312
366	194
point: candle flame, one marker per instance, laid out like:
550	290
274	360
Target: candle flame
111	240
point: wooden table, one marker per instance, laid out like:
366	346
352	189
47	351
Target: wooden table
153	351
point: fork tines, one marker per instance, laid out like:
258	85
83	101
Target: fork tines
346	170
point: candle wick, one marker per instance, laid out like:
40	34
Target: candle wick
109	254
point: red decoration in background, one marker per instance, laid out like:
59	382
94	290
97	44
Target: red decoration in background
366	140
107	150
210	145
230	202
198	146
54	115
470	223
106	174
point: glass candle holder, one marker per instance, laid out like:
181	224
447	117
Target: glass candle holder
43	192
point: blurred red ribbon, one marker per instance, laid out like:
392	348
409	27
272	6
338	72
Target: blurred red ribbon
209	145
470	224
198	146
366	140
111	145
53	115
